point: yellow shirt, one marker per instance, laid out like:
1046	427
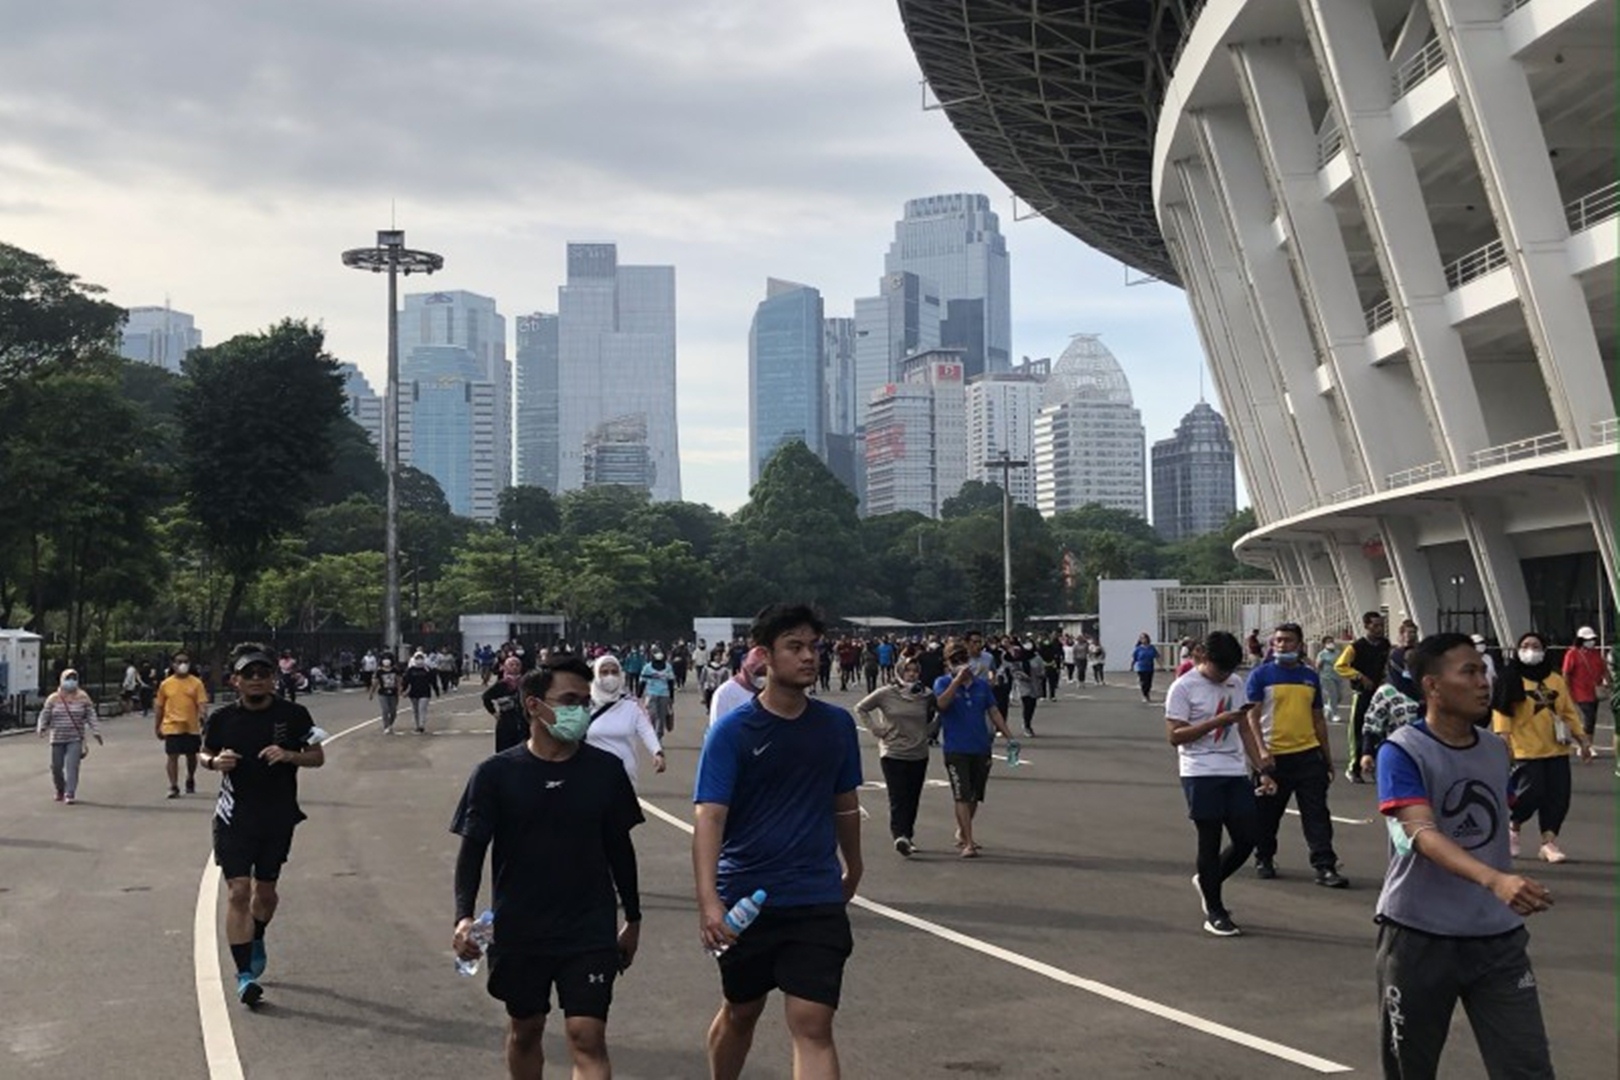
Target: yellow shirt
180	702
1529	727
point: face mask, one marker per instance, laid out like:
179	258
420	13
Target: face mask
657	656
917	688
759	682
388	665
610	684
181	669
1286	657
70	684
1531	656
1480	646
572	720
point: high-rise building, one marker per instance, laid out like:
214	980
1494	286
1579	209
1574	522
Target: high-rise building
1194	476
1089	441
450	426
159	335
470	322
1001	408
786	373
364	405
616	374
955	242
838	360
901	320
536	413
916	437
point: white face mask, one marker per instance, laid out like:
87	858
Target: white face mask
610	684
1531	656
181	668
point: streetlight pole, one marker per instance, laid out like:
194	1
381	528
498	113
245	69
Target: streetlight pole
391	255
1456	601
1006	464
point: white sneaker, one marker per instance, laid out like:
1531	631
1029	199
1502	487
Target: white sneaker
1550	851
1513	841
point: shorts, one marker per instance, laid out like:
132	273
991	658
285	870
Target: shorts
968	774
175	745
523	981
797	950
241	854
1219	798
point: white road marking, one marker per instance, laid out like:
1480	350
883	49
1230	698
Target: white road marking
1340	820
1090	986
213	1006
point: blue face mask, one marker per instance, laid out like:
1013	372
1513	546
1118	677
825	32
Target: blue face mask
70	684
571	722
1286	657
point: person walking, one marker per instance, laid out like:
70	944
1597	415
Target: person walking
502	700
1533	712
68	717
901	716
966	706
182	704
713	675
658	692
1285	700
1587	675
1206	720
869	665
1144	661
383	685
129	691
1027	677
1098	657
1070	652
634	661
1332	684
259	742
1393	706
741	687
619	724
1451	912
559	813
777	805
1363	664
421	686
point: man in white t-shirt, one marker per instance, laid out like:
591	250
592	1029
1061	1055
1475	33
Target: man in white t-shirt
1206	719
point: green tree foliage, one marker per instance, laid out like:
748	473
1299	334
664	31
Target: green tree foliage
590	511
527	510
1208	559
800	528
257	415
974	496
355	469
50	319
356	524
1104	543
310	594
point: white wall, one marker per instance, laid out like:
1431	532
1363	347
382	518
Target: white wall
1124	610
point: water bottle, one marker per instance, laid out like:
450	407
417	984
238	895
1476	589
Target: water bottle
741	915
1014	748
482	933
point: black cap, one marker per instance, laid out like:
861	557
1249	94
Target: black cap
248	659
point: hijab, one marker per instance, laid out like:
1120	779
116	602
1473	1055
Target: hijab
1510	685
599	696
63	694
753	664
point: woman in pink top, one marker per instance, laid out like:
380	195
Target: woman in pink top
67	717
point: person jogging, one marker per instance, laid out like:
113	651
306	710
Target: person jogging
181	703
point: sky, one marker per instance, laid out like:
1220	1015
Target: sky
223	155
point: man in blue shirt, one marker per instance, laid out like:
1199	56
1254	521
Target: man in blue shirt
777	804
966	703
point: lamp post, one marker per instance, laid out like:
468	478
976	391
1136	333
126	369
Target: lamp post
391	255
1456	601
1006	464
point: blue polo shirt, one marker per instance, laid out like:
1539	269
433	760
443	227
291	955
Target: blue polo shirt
964	728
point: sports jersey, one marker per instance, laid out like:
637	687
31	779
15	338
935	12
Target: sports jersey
778	777
1287	694
257	797
1194	699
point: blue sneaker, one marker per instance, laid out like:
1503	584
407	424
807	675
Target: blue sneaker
248	992
256	966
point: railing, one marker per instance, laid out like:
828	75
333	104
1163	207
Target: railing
1594	207
1425	62
1417	474
1476	264
1550	443
1606	431
1380	314
1329	143
1354	491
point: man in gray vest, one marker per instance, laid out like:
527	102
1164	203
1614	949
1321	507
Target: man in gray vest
1451	915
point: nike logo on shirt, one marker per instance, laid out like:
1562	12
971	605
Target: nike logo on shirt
554	784
758	750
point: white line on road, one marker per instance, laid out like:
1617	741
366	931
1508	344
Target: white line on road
213	1006
1090	986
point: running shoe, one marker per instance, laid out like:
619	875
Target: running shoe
191	787
257	964
1513	841
1221	925
1331	879
1265	869
174	793
69	799
903	845
60	796
248	991
1550	851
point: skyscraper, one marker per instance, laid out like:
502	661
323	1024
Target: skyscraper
838	359
916	437
537	411
786	373
955	242
159	335
1194	482
364	405
901	320
1089	440
1001	410
450	426
470	322
616	374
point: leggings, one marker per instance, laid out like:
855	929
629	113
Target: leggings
1146	679
905	781
1216	865
1543	786
65	766
1029	704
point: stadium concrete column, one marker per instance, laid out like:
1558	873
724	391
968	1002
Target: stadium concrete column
1600	506
1381	405
1501	579
1354	572
1357	77
1505	132
1414	577
1229	291
1233	164
1186	249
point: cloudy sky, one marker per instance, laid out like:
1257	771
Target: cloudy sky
222	154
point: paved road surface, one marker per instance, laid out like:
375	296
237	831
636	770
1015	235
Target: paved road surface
1072	948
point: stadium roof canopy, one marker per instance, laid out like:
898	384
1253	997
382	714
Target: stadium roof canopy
1059	98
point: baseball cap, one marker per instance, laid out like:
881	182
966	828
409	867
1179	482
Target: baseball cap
248	659
1478	639
1586	633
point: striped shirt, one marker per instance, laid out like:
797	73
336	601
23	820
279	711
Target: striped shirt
68	720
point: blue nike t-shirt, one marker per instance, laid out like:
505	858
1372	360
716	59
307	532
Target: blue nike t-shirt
777	778
964	727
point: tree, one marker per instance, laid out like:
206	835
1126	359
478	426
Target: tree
1208	559
313	593
589	511
355	469
256	420
49	318
355	524
800	528
528	511
975	495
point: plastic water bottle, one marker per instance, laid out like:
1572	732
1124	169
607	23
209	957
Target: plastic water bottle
1014	748
482	933
742	914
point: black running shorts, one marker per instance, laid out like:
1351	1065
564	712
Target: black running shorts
175	745
259	856
797	950
523	981
968	774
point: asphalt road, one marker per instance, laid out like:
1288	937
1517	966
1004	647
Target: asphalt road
1073	948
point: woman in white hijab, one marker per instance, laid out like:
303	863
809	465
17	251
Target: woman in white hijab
618	722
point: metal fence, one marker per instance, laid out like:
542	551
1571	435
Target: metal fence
1196	610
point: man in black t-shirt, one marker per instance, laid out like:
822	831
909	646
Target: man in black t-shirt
259	743
559	813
